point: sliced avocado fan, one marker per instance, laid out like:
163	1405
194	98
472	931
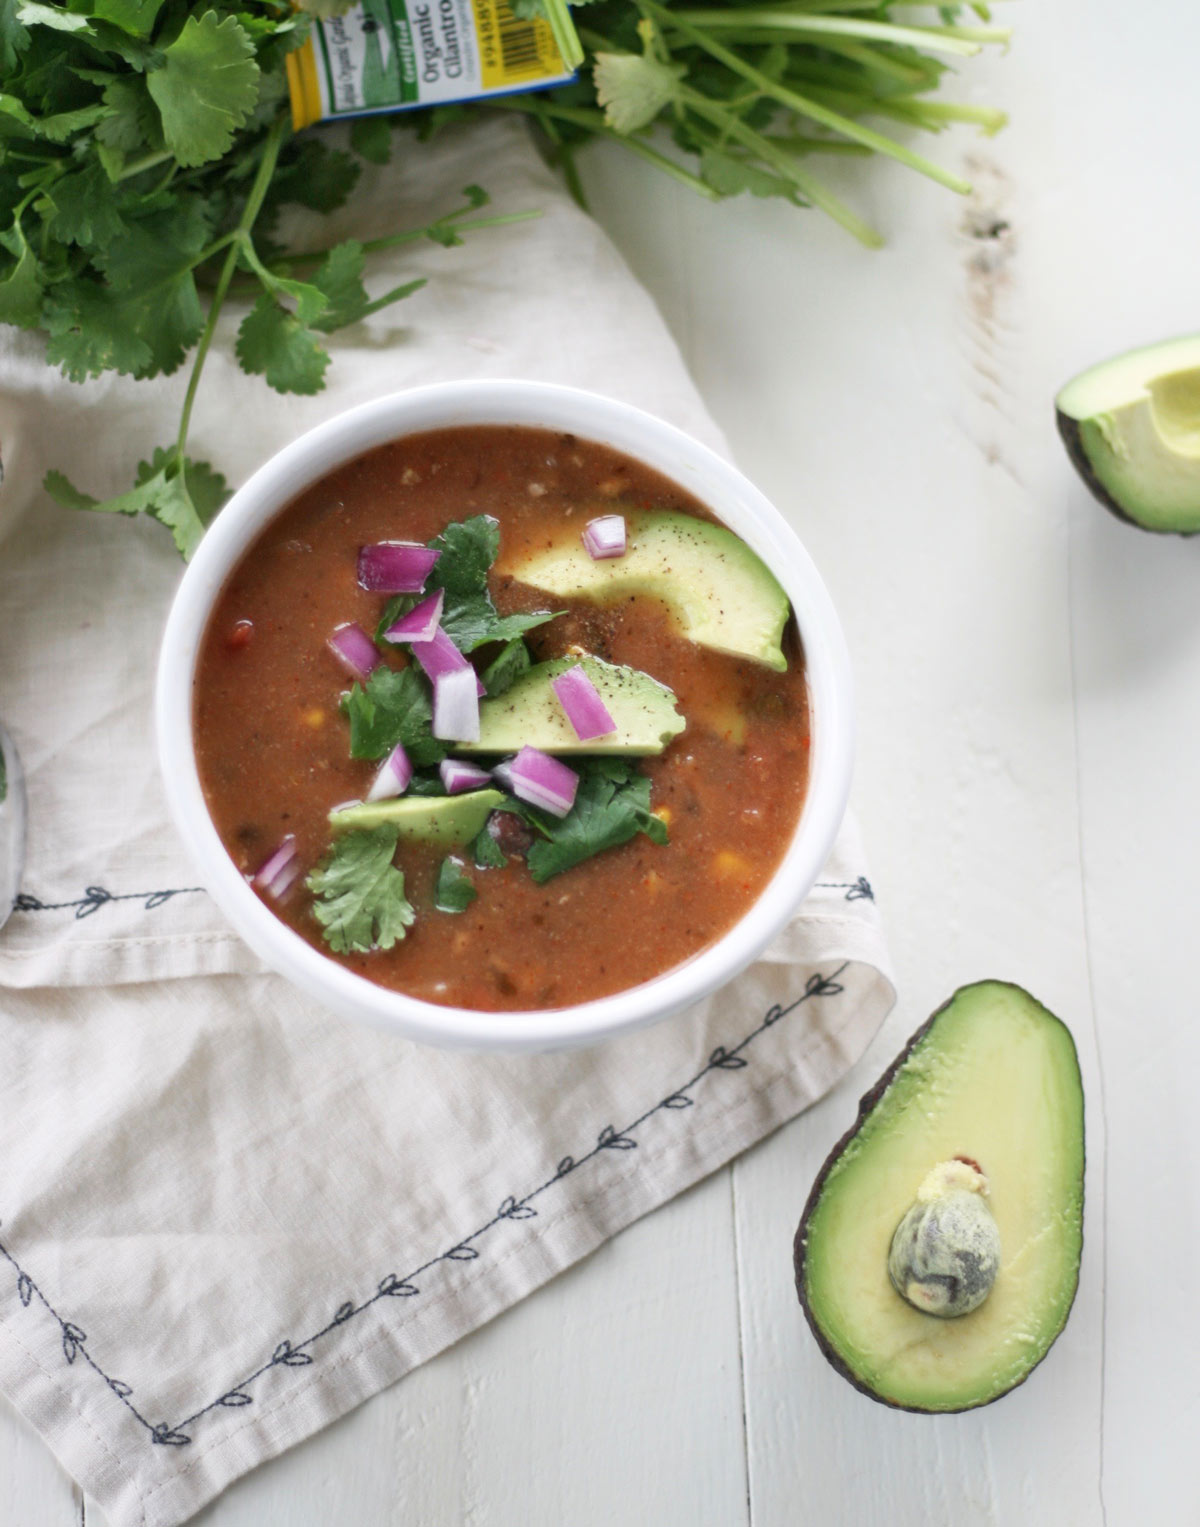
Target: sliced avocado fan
938	1255
1132	429
529	714
721	593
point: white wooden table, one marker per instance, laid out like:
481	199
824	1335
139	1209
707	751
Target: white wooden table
1029	675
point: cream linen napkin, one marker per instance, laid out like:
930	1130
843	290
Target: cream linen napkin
225	1217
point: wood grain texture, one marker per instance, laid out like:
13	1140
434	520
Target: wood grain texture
1029	677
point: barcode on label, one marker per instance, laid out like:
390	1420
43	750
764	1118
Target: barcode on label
518	44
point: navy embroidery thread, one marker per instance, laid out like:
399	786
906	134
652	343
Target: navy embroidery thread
856	890
96	897
294	1354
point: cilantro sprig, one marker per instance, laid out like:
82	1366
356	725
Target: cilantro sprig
145	155
751	93
612	805
359	895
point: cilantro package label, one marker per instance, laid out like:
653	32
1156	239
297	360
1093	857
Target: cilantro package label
389	55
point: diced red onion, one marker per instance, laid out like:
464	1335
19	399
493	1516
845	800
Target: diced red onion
586	711
354	650
458	776
542	781
421	622
395	567
278	873
439	655
605	537
456	705
393	778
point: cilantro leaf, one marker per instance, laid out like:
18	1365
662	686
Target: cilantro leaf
339	279
317	177
504	671
132	121
472	621
360	902
453	891
21	289
276	344
392	706
133	16
85	211
371	138
468	549
206	87
633	88
152	261
14	37
487	853
89	333
57	18
612	805
184	501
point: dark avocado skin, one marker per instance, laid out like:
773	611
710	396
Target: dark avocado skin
800	1244
1068	428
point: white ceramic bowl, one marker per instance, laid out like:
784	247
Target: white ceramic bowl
715	483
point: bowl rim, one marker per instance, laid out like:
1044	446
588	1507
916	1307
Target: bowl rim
593	417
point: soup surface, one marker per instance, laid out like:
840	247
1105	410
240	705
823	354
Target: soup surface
273	750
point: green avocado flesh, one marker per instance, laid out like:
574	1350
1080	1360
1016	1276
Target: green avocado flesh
720	592
445	819
1132	428
531	715
992	1077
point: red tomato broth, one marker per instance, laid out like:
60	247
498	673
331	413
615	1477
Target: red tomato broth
273	746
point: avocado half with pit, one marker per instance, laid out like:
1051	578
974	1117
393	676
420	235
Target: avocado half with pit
938	1255
720	592
1132	429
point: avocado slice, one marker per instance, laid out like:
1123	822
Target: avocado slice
529	713
449	820
1132	429
988	1089
721	593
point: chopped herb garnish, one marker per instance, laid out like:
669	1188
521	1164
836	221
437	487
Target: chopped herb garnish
453	891
503	672
487	853
468	548
360	901
612	805
392	706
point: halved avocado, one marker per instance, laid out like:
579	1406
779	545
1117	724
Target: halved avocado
721	593
529	714
990	1088
1132	429
449	820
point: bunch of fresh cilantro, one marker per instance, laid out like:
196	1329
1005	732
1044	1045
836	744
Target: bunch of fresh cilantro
751	92
359	894
145	155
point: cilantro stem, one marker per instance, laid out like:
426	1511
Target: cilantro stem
937	39
411	236
802	105
146	162
594	122
262	179
782	161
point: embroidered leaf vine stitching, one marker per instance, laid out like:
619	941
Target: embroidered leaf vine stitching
296	1354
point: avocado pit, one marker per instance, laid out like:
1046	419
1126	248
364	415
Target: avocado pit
945	1253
